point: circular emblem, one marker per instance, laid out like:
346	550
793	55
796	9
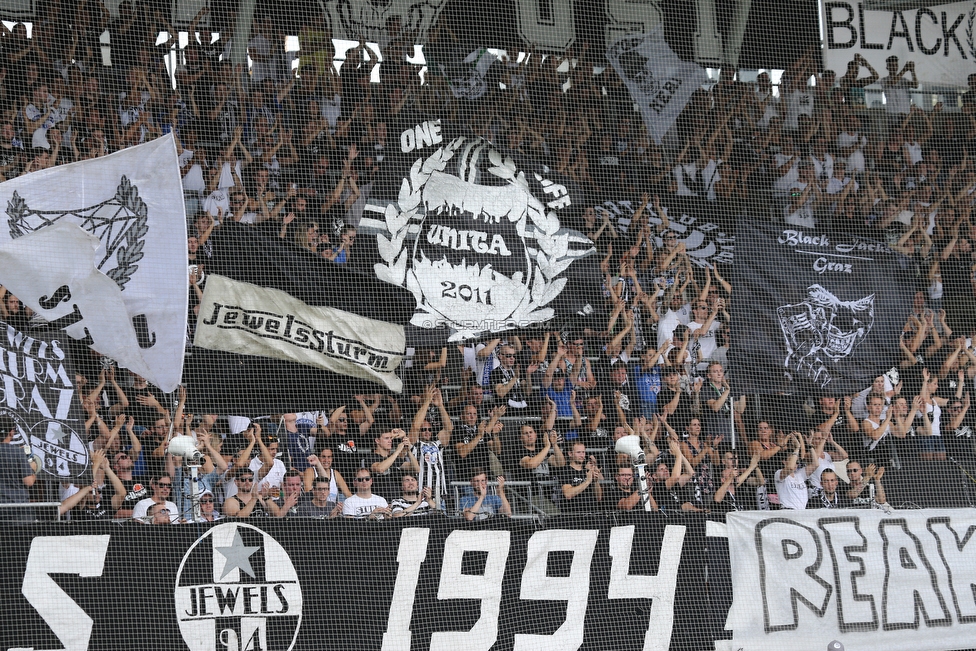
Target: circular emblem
488	251
237	589
58	447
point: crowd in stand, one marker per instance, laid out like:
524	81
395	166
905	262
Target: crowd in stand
526	422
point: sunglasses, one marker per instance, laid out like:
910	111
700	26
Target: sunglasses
322	488
167	485
247	479
206	501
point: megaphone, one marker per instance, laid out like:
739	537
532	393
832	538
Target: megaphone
186	447
631	446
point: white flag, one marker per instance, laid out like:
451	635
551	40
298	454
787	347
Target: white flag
123	288
659	82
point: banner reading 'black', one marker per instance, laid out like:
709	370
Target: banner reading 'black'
418	583
815	309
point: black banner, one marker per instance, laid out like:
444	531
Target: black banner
416	583
815	310
225	382
38	388
479	234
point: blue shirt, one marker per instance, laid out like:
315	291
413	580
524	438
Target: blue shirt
491	505
648	382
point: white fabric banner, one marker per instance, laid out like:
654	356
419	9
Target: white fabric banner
129	295
240	318
659	82
873	581
939	39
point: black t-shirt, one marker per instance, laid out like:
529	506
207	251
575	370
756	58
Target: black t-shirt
515	471
385	484
612	496
136	491
515	398
98	512
145	415
585	502
670	500
819	501
960	442
346	457
477	458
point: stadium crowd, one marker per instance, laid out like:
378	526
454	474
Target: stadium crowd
526	422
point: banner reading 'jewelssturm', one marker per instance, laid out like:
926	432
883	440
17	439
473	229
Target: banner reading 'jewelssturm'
103	242
416	583
286	330
241	318
476	235
872	581
39	394
815	310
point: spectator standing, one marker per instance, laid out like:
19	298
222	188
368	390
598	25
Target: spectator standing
897	87
623	496
581	478
16	474
412	501
791	479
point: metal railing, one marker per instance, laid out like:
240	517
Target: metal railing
43	506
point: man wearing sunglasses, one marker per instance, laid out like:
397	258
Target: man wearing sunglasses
506	380
364	504
162	487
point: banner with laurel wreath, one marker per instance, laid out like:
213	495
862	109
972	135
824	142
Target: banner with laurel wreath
475	235
131	203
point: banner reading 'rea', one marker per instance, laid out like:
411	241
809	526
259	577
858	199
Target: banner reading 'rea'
873	581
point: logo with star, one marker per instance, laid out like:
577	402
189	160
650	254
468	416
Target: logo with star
238	589
59	449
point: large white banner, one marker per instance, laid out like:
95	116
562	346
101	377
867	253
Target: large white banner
240	318
938	38
124	289
659	82
868	579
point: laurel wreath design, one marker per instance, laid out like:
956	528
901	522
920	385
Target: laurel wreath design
127	245
969	32
128	254
548	260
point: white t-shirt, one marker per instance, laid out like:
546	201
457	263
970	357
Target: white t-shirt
361	507
274	477
792	489
671	320
897	97
706	342
142	508
823	464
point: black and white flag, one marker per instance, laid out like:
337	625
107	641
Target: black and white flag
659	82
98	248
814	309
39	394
476	236
281	329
